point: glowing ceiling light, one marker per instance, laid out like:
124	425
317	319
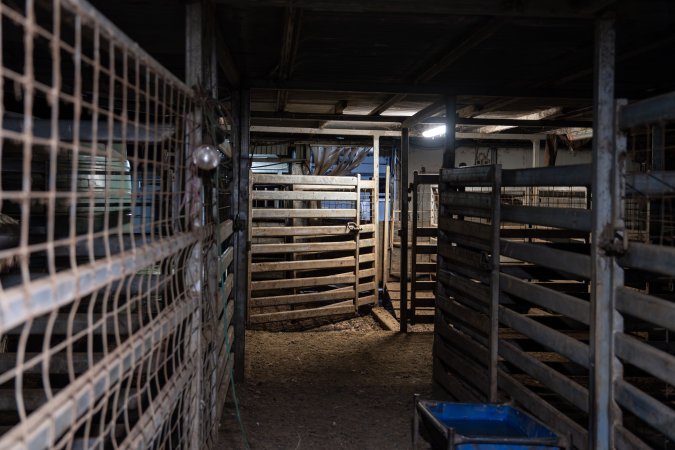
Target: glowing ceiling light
433	132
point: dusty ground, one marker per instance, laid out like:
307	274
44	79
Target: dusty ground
330	390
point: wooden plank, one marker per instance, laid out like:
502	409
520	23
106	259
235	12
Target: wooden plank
261	213
225	230
344	278
302	247
348	261
365	273
385	319
304	195
262	178
367	228
312	297
385	222
302	314
368	257
365	287
321	187
365	243
265	231
369	300
226	259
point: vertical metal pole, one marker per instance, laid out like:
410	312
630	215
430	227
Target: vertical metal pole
385	226
602	293
405	150
450	125
494	280
241	199
413	251
375	204
194	73
655	222
448	163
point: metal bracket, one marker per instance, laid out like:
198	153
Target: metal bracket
238	224
353	227
614	244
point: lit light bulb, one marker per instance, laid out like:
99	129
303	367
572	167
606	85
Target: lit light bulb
433	132
206	157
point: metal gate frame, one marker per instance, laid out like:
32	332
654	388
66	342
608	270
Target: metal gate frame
349	281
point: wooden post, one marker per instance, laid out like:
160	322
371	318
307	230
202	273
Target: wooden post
241	201
375	204
385	225
405	151
357	240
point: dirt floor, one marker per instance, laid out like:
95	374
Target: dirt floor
347	389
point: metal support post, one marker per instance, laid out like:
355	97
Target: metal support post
604	269
240	200
450	125
375	205
405	150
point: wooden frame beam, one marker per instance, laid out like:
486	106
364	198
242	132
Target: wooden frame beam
434	66
496	8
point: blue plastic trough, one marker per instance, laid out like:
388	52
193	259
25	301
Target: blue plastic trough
479	426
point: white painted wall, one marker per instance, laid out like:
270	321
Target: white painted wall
509	158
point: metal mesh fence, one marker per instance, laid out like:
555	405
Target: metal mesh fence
106	314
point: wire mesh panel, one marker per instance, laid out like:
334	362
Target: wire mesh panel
103	241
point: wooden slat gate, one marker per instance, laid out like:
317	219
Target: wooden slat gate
424	246
313	247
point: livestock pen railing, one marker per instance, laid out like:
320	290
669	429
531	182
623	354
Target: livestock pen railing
514	317
113	333
585	289
423	249
313	249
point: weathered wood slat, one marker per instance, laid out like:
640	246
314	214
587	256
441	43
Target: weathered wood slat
303	247
302	314
369	300
348	261
364	243
260	178
303	195
225	230
261	213
264	231
344	278
313	297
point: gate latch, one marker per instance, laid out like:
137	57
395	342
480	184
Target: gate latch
353	227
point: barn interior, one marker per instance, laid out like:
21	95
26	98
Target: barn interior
269	223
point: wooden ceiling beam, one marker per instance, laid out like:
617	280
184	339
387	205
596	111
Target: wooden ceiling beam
289	48
571	9
436	65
